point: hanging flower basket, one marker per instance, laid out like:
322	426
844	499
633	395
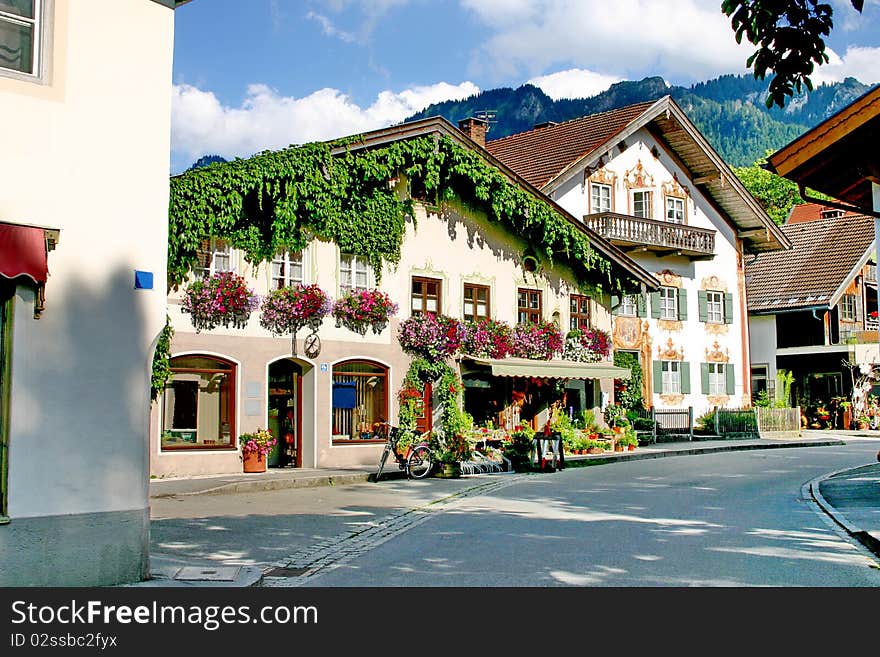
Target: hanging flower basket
487	338
223	299
586	346
434	337
362	310
288	309
537	341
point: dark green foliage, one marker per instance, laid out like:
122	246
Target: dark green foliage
161	361
628	392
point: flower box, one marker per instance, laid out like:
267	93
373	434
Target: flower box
362	310
222	299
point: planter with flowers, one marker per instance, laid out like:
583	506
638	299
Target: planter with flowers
361	310
288	309
587	345
255	448
537	341
487	338
433	337
222	299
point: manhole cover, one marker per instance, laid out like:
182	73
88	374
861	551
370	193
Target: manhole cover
208	574
285	572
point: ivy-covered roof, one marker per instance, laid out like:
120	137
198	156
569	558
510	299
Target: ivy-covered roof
339	191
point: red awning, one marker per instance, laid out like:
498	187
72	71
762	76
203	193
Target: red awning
23	252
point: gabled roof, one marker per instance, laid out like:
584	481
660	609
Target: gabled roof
542	154
812	211
439	126
825	255
839	156
551	155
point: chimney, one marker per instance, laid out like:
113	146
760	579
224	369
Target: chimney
475	129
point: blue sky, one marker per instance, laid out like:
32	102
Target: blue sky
264	74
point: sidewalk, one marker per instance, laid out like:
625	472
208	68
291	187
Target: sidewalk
851	497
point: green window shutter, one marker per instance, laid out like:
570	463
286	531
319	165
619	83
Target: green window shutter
728	308
731	382
704	377
685	377
641	304
703	303
655	305
615	304
658	377
682	304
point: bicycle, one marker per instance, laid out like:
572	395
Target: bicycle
420	460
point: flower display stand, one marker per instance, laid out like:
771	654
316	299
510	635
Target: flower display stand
253	462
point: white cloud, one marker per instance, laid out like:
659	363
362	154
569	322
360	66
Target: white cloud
367	13
859	62
678	39
574	83
201	124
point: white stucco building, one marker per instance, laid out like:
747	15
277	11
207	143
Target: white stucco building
85	100
644	178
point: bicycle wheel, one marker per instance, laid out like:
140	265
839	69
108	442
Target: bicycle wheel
384	458
418	465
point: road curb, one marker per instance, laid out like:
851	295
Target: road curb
866	538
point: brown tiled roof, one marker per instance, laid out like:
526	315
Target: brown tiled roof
541	154
810	212
823	253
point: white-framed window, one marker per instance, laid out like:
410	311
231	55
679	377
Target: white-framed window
600	197
848	308
671	370
717	379
214	256
355	273
675	210
21	36
287	269
668	303
628	306
641	199
715	307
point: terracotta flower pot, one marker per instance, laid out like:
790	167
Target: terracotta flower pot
253	462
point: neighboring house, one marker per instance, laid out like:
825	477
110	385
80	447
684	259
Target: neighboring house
814	307
644	178
803	212
454	260
85	102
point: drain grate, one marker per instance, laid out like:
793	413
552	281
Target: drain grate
285	572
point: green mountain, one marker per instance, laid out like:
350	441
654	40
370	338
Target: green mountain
729	110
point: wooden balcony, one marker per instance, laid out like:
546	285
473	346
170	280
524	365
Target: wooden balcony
634	234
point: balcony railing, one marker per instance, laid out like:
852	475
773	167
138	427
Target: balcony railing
660	236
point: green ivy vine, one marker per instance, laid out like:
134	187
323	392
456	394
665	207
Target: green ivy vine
326	190
447	387
162	360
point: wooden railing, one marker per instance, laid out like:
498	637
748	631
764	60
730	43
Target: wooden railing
658	234
778	422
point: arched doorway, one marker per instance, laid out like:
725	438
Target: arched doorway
285	413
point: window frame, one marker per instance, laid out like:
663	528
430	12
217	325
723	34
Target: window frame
598	208
40	40
675	200
717	379
213	250
356	261
666	300
720	307
423	296
649	194
230	390
849	311
670	377
469	293
574	316
285	279
384	376
627	301
529	311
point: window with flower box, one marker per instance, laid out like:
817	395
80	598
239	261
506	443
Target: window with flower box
425	295
198	409
359	399
355	273
529	306
287	269
476	302
578	312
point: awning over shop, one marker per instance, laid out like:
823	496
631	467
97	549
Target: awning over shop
548	369
23	252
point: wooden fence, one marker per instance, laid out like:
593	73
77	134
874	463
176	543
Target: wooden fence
668	424
736	423
778	422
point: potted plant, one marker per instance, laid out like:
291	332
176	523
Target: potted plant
222	299
517	447
360	310
449	452
255	447
288	309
